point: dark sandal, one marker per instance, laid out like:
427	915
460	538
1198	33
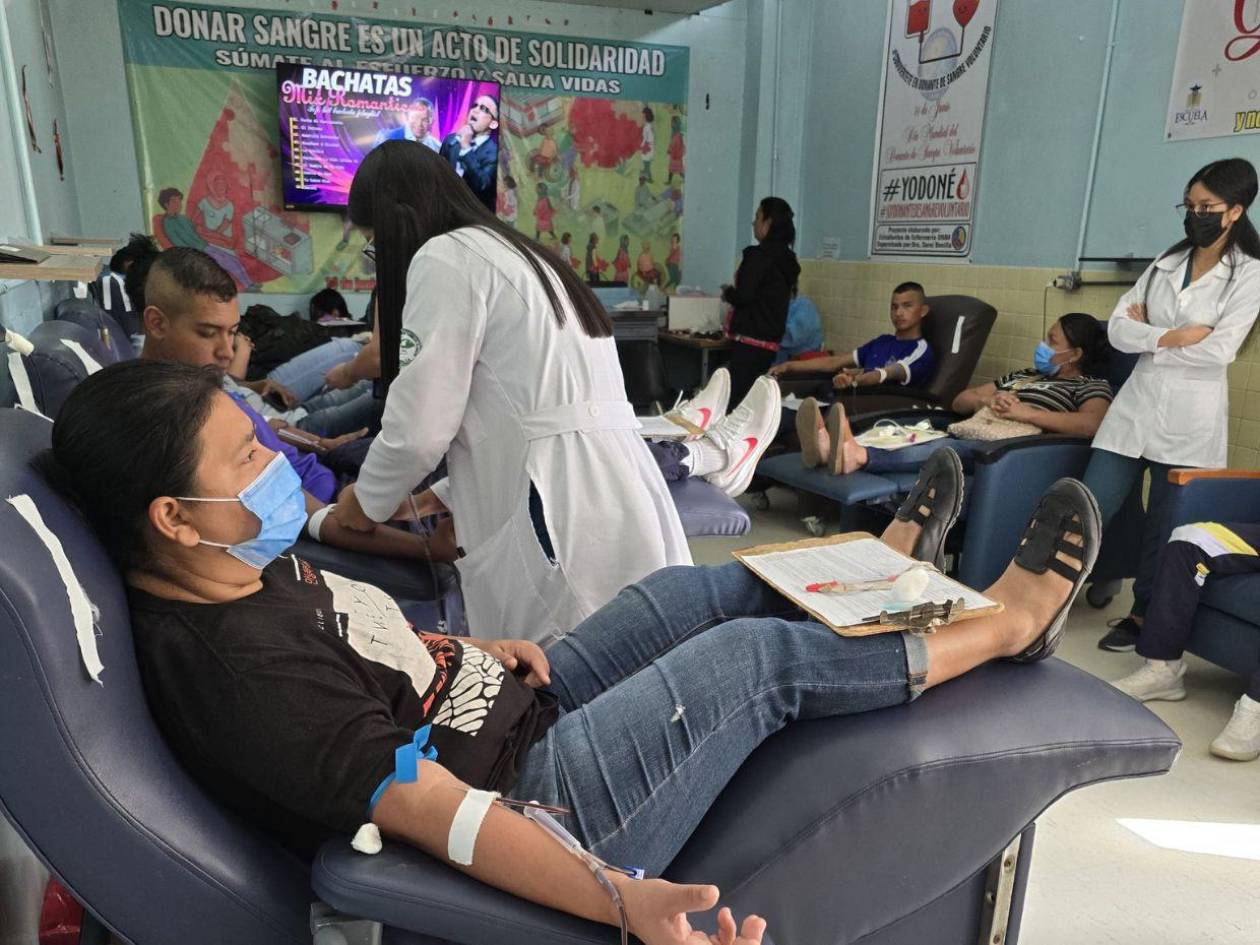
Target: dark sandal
934	503
1067	508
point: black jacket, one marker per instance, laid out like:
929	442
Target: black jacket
480	166
763	290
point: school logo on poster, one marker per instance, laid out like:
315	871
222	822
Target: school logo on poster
931	119
1216	79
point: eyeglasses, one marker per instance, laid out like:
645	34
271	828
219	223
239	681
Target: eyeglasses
1201	211
478	107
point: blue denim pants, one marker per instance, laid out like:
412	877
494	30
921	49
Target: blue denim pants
304	375
1111	477
671	686
910	458
337	412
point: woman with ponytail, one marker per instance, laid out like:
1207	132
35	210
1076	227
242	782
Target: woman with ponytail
1187	316
496	355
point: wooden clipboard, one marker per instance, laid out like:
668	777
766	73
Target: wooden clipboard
802	599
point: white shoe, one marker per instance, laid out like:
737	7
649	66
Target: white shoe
745	434
1240	741
708	406
1157	680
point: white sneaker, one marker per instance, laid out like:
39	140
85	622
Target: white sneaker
1157	680
708	406
1240	741
745	434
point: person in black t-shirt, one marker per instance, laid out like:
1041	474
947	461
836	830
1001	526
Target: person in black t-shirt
305	702
761	295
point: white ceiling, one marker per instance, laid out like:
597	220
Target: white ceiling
661	6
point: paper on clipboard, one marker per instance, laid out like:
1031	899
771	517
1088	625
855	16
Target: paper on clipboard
850	558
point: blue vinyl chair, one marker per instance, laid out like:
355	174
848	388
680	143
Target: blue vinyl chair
1227	623
890	828
90	315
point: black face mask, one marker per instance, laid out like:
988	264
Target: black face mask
1204	230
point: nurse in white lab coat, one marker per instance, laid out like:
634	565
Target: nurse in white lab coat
1186	317
503	362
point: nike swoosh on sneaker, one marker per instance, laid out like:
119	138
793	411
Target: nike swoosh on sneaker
752	445
705	414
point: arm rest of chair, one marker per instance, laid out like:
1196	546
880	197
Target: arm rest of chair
1181	477
915	394
1217	495
833	829
995	451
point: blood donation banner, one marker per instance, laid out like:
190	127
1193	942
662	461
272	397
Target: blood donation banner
1216	81
591	135
931	118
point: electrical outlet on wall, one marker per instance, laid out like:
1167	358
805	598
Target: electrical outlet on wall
1068	282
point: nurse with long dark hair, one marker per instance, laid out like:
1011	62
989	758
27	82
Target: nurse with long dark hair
498	357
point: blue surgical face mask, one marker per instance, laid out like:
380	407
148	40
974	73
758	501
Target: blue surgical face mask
1042	360
276	499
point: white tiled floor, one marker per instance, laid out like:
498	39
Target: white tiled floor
1094	881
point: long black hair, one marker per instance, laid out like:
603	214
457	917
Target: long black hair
1090	335
407	194
778	213
1233	180
133	409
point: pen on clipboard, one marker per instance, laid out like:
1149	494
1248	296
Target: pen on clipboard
850	587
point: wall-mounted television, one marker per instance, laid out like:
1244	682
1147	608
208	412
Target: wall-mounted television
331	117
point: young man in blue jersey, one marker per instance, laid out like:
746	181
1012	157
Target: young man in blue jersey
903	357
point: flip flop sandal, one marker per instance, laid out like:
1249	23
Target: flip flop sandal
1067	508
934	504
808	422
835	431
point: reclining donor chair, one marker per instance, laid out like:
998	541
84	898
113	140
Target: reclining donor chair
909	825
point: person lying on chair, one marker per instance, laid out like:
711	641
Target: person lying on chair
190	317
903	357
308	705
1063	393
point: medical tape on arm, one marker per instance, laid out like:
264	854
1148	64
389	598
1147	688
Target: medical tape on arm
316	522
22	384
467	824
80	607
90	364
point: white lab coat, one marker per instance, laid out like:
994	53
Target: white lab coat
1175	407
510	397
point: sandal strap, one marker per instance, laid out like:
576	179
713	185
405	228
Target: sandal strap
1063	569
1045	538
917	498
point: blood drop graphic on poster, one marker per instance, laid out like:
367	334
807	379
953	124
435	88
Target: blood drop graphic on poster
964	10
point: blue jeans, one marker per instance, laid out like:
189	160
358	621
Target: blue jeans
1111	477
910	458
671	686
339	411
304	375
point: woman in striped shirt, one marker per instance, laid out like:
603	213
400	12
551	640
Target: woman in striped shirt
1063	392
